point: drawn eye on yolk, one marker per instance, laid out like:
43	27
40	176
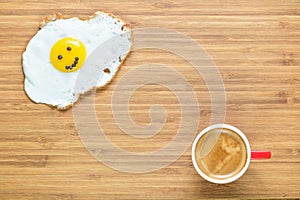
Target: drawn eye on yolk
68	54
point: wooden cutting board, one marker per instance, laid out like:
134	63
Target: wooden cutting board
254	44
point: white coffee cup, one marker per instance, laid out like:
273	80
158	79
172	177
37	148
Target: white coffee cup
250	155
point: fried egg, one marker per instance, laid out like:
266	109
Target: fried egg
58	52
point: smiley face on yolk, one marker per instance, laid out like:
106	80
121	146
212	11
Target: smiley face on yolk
68	54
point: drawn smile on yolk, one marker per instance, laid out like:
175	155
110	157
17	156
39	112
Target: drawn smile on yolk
68	54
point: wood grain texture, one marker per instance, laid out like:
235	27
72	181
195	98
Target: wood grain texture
256	46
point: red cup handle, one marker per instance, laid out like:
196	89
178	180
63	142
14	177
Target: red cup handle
260	155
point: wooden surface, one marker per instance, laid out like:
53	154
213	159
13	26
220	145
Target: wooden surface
256	46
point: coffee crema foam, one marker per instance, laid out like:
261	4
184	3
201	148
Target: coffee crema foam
224	156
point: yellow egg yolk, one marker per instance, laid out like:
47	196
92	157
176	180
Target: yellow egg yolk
68	54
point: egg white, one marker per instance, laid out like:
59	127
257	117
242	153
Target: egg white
45	84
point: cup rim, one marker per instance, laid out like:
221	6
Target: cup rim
248	149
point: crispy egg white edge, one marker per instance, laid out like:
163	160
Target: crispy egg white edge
45	84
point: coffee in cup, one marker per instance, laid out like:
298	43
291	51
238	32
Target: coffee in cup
221	153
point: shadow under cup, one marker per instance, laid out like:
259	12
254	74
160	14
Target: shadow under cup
221	153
